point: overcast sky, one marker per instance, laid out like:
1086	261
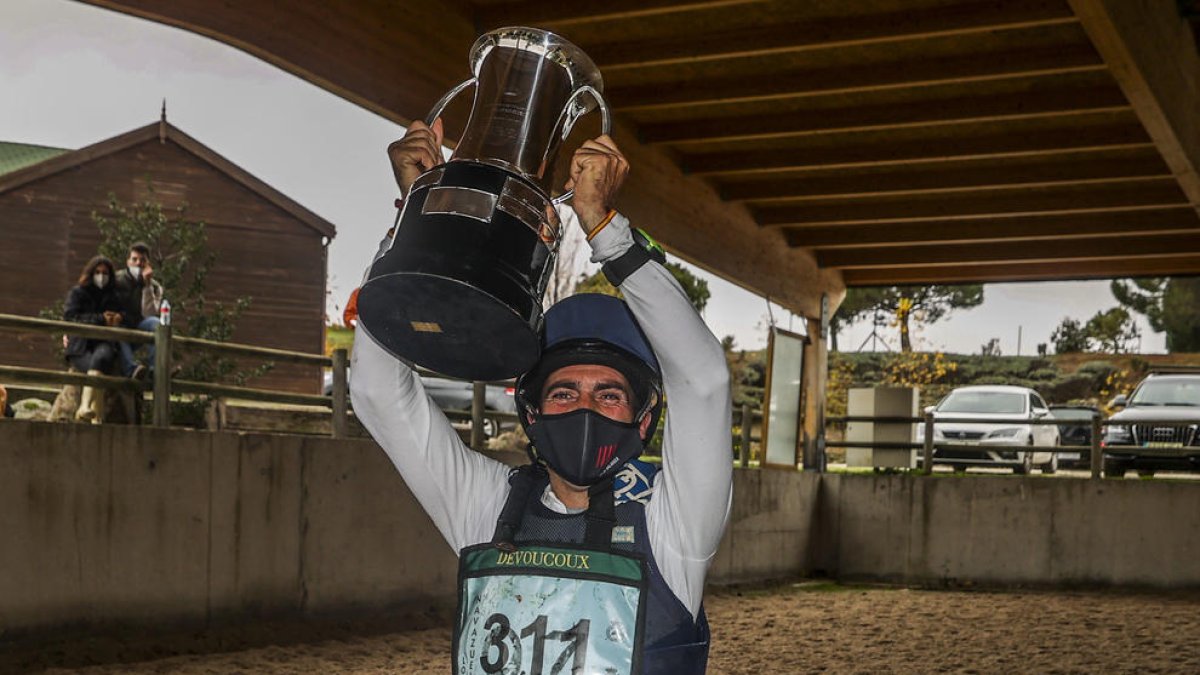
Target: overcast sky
72	75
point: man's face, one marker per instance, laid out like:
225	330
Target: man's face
136	259
595	387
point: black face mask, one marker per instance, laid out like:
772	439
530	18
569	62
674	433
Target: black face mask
583	446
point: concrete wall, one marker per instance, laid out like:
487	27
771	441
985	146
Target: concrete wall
1007	530
771	526
113	525
119	524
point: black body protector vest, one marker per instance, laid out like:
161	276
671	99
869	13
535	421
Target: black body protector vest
571	593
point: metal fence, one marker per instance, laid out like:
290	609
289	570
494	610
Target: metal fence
162	386
929	443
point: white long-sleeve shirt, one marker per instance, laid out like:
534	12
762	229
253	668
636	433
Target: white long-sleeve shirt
463	491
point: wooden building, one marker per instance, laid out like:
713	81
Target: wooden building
267	247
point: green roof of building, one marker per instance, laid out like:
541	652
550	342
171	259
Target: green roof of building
15	156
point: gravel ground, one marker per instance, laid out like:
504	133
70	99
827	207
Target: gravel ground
794	628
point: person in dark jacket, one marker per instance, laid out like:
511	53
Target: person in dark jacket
93	300
141	299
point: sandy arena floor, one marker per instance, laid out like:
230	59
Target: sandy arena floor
804	628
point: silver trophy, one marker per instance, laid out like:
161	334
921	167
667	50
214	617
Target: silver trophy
460	289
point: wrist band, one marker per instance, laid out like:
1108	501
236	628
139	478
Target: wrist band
612	213
618	269
644	250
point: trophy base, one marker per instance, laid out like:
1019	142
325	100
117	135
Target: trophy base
448	326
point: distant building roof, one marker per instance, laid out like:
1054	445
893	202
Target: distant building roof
15	156
53	160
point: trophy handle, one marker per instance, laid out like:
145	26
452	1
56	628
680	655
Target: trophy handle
444	101
605	125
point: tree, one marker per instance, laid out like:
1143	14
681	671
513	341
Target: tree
695	288
923	304
857	303
1170	305
1113	331
1070	337
181	259
992	348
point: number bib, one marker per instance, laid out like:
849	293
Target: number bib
548	610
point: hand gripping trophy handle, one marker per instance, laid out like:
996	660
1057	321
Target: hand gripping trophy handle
605	115
460	289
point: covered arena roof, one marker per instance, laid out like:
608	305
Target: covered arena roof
797	147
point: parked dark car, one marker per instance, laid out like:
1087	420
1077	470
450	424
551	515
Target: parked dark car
1076	431
451	394
1171	396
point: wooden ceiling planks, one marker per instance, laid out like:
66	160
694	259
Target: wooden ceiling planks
800	143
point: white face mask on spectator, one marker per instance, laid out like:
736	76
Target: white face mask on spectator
135	272
101	280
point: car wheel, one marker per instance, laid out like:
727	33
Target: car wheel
1026	466
1113	469
958	468
490	428
1146	473
1051	467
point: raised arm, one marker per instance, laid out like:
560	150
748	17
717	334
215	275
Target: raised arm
460	489
687	514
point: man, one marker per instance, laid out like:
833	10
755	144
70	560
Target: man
568	565
140	296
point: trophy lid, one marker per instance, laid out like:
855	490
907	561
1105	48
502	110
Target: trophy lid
579	66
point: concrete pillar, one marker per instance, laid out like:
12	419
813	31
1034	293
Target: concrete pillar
816	372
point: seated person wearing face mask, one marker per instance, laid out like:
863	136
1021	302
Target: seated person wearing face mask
93	300
586	560
141	297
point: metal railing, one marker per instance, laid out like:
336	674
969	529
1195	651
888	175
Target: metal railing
1096	447
163	386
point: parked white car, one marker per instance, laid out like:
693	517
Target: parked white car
999	440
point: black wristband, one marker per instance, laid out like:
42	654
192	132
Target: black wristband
618	269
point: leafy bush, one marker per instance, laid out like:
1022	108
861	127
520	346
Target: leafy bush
991	379
1072	387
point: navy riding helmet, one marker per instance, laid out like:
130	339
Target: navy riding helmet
592	328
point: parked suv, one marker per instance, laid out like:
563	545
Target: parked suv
1000	441
1159	396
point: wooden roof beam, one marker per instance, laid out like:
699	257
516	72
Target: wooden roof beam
1151	52
558	15
1101	248
1114	137
381	55
940	180
1180	219
928	114
1164	192
387	62
1041	271
910	74
978	17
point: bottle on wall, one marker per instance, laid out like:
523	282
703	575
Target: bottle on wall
164	313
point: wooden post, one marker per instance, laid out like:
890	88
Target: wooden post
340	393
162	376
927	462
747	425
1097	461
816	372
478	396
